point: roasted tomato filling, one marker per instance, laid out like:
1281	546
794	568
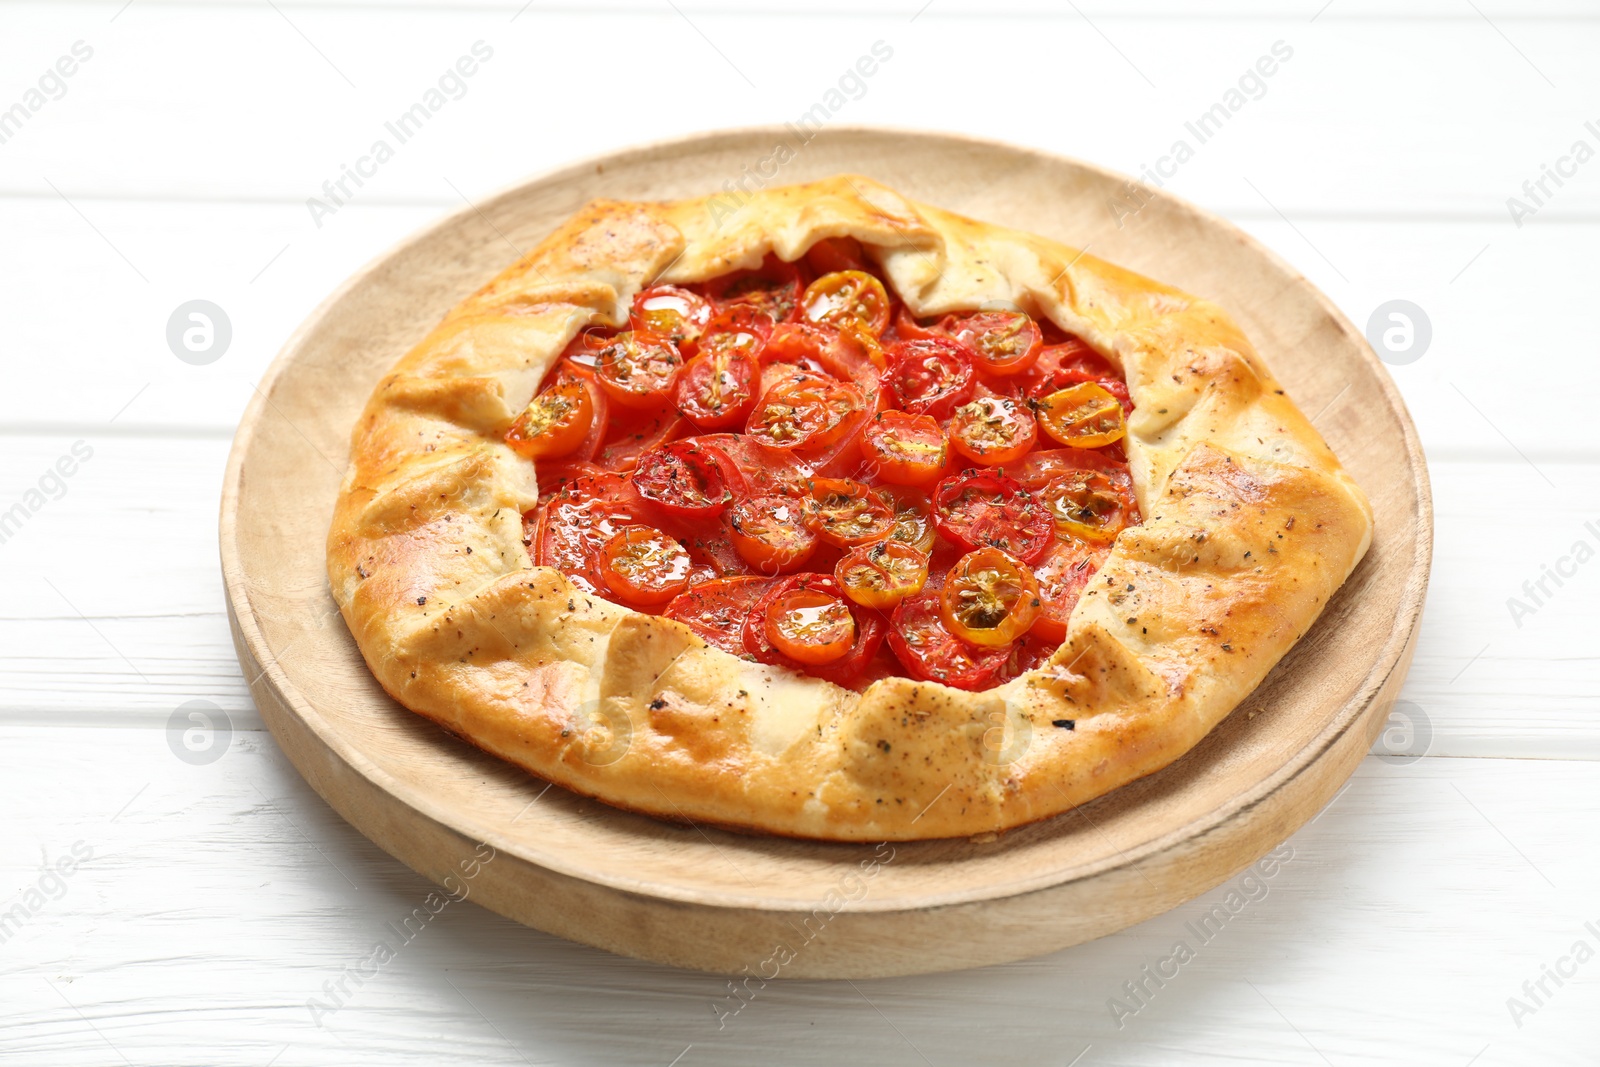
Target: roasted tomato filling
790	463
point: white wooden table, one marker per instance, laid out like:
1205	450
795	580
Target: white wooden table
1421	916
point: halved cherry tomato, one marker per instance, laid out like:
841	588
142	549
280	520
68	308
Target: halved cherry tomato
643	566
573	524
672	312
977	509
1069	363
1007	342
883	574
1062	575
930	376
850	513
741	328
759	470
993	430
773	287
1086	505
913	517
928	650
804	411
1038	469
907	328
843	669
774	534
810	626
1083	416
583	348
989	598
836	253
556	474
599	426
685	480
847	298
638	369
717	610
904	449
718	388
555	422
634	432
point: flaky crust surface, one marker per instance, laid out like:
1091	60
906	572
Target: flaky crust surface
1250	526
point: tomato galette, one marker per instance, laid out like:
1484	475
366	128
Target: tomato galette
839	517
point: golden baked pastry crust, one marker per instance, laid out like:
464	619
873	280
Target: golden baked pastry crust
1250	526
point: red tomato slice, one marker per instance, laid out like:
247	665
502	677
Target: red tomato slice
835	254
904	449
635	432
638	370
843	670
643	566
586	346
850	298
906	328
993	430
718	388
600	422
672	312
741	328
717	610
849	513
881	575
685	480
774	534
989	598
554	475
573	524
986	509
1006	342
757	469
929	376
1062	575
929	651
805	411
1059	366
1086	506
1037	469
556	422
810	626
848	355
774	288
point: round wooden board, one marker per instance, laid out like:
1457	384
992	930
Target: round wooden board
702	898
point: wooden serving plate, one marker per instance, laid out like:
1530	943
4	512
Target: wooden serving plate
702	898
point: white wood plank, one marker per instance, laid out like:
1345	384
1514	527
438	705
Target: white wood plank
132	546
219	899
1416	115
1496	298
